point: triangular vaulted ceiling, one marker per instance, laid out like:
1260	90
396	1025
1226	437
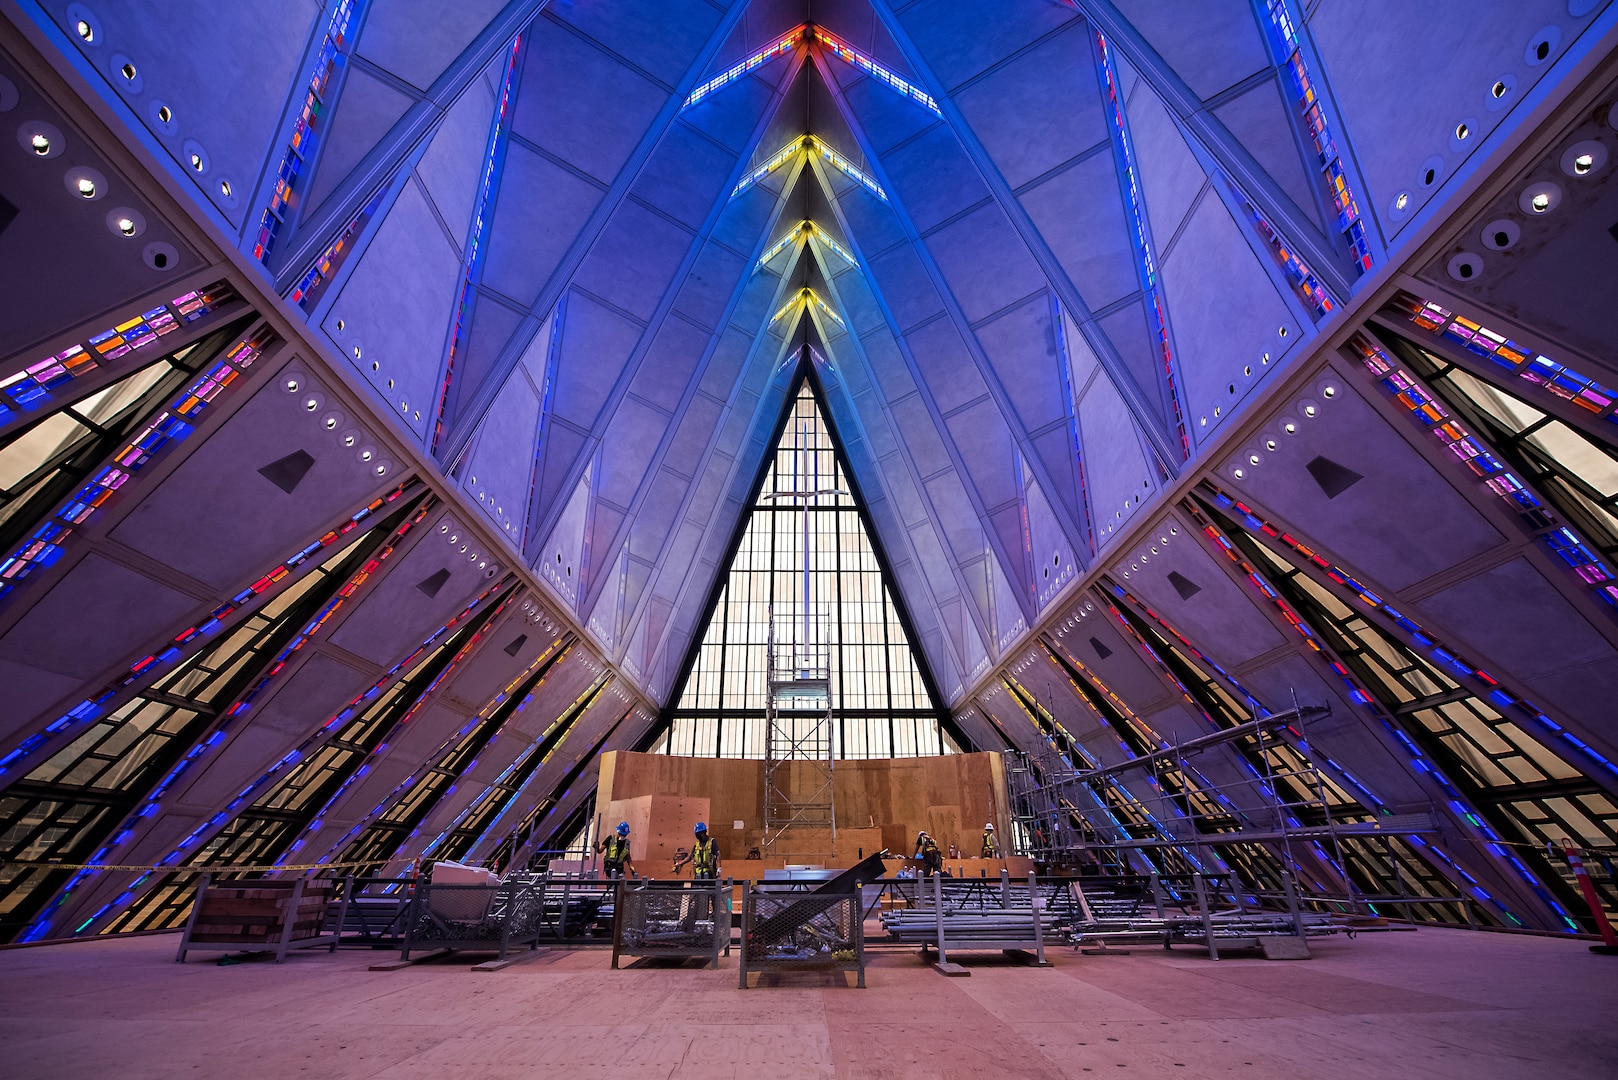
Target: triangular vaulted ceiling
1024	228
962	231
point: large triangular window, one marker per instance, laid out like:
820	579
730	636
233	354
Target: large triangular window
882	703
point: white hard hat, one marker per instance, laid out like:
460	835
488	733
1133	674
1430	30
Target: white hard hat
989	826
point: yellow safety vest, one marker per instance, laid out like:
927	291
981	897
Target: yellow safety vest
617	849
704	856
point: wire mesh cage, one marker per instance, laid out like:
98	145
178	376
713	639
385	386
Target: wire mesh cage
802	932
672	919
474	917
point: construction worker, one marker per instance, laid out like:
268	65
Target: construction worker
927	853
991	846
616	851
703	856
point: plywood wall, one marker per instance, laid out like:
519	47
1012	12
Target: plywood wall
880	803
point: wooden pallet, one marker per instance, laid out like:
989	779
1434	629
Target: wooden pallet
266	914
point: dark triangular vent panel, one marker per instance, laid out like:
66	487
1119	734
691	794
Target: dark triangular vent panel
1334	479
431	585
1101	650
516	645
1183	585
288	472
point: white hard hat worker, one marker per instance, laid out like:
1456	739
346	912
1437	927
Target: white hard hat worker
988	826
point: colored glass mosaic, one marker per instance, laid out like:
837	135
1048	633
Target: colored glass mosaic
1549	375
849	55
1425	408
493	157
1143	244
45	545
307	128
779	47
1307	100
1302	279
33	386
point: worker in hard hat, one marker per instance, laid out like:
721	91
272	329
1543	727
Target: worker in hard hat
703	856
991	845
615	850
927	853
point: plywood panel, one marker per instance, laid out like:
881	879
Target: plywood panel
880	803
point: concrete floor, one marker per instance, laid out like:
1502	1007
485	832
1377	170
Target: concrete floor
1434	1003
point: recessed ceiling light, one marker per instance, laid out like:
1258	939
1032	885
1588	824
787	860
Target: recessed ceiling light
85	31
126	226
87	187
41	144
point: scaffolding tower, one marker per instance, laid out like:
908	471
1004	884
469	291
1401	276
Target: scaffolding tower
798	744
1069	816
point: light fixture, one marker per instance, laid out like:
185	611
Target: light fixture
1290	428
1402	201
1584	158
41	144
87	187
128	71
224	188
164	114
196	162
126	226
1543	197
1308	410
85	31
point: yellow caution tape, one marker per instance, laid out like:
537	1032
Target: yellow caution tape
235	868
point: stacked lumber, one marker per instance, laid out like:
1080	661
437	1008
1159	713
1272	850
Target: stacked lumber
258	913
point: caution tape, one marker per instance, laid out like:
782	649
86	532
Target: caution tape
235	868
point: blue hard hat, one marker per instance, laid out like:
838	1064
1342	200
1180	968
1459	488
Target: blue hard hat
623	828
702	826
